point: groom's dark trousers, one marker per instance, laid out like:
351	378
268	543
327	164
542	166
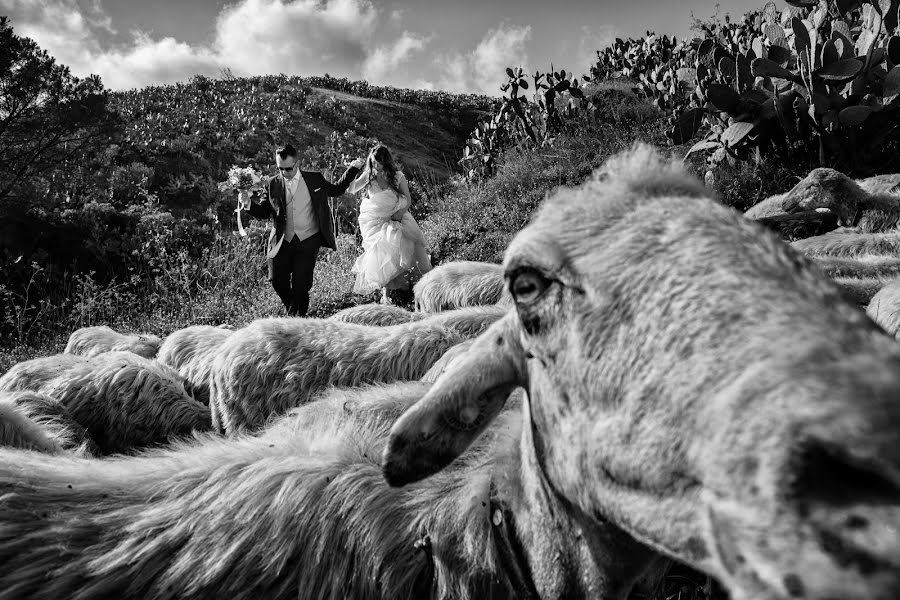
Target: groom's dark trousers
292	272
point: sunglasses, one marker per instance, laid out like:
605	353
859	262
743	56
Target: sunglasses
286	169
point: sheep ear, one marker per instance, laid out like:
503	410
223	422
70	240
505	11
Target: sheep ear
458	407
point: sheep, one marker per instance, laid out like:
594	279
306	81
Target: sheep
870	205
822	188
272	365
884	308
299	511
189	351
91	341
123	400
692	383
860	292
469	321
377	314
54	420
444	361
36	373
856	207
18	431
765	209
869	266
888	183
801	225
879	213
460	284
843	244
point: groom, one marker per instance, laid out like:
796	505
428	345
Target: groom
297	202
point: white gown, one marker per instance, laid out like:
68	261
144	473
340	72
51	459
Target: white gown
394	252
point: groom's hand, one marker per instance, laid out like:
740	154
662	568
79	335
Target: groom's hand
358	163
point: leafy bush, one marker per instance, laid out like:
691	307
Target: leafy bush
816	84
47	117
558	104
661	67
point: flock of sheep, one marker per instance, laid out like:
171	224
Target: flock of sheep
649	377
863	254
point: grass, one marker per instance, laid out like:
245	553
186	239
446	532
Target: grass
232	288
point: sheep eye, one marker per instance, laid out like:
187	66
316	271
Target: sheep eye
528	286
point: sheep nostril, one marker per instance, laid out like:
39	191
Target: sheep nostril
824	474
856	522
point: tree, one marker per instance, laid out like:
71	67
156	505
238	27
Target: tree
48	117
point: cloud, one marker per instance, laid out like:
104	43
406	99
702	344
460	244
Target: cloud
484	68
98	18
502	47
58	26
422	84
384	62
301	37
590	42
72	33
252	37
157	62
352	38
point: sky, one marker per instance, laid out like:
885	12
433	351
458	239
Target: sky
457	46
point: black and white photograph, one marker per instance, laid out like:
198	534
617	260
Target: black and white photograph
450	300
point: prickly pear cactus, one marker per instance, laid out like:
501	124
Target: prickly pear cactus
816	81
557	100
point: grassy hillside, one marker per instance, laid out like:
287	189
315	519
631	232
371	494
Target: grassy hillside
428	139
190	134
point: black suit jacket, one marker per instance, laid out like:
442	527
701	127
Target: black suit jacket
273	204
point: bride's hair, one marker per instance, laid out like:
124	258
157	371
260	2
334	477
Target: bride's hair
384	158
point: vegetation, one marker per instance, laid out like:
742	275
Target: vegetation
815	84
109	211
557	107
47	116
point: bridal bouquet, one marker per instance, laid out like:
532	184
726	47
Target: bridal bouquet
242	179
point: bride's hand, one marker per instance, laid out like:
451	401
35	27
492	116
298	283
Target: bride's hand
243	200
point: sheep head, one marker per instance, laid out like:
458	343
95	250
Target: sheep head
446	424
826	188
692	381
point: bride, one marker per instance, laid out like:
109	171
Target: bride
394	252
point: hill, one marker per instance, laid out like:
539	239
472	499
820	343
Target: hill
139	200
189	134
427	138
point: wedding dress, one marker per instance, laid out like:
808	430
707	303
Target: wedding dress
394	252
